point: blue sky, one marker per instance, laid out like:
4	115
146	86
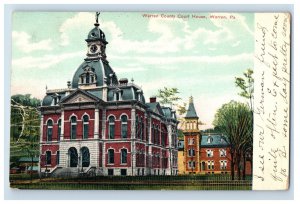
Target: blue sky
200	57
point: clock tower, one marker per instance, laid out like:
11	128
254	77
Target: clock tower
96	42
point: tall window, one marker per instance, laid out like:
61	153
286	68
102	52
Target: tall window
137	126
111	156
85	127
124	156
111	124
223	164
58	129
48	158
57	158
73	127
192	164
49	130
157	134
191	152
142	128
153	134
124	126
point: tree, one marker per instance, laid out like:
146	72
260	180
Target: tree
25	127
247	86
235	120
168	96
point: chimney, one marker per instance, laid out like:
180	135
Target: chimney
152	99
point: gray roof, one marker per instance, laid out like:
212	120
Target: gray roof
97	93
167	112
29	159
191	112
96	34
100	68
215	141
47	100
156	108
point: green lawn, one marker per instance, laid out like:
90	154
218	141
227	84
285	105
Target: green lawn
187	182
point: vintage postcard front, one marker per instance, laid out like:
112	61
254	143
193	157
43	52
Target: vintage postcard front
150	100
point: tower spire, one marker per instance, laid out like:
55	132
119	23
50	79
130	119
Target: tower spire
191	111
97	17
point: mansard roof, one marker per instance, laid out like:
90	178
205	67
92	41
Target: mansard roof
214	141
104	73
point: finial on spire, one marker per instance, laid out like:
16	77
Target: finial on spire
191	99
97	16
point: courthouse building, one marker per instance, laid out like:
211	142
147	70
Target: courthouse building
103	125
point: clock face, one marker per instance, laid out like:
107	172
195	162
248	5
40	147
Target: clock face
93	48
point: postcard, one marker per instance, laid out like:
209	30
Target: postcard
150	101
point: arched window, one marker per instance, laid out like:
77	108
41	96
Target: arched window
73	127
111	121
209	140
203	166
85	157
49	130
123	156
58	129
124	126
48	158
85	127
111	156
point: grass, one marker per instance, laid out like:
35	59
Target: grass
186	182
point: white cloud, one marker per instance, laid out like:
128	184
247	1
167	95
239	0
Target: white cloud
23	41
237	43
167	40
43	62
187	59
80	21
127	69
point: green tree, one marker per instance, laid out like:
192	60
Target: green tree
169	96
235	120
25	127
246	84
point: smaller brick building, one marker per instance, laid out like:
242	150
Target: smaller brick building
203	154
215	155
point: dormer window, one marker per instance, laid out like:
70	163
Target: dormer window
56	99
118	94
209	140
88	76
